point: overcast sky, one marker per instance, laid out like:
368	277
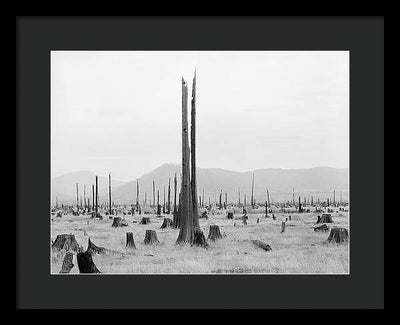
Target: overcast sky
120	111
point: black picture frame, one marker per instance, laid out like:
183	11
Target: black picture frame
362	36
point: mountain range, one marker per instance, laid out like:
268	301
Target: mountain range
319	182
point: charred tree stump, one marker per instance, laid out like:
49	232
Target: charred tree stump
167	223
204	215
199	239
67	263
130	243
229	215
324	227
214	233
283	226
258	220
66	242
290	218
144	221
338	235
119	222
150	238
273	217
262	245
92	248
325	218
85	263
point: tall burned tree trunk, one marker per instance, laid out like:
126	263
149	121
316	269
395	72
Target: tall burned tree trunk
84	196
109	193
97	195
239	197
252	192
158	203
186	230
299	205
169	196
220	200
266	209
175	208
77	197
164	201
137	195
193	180
92	197
176	223
154	194
293	197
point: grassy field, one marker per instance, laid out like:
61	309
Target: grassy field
297	250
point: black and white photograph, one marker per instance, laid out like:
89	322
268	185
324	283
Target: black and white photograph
203	162
200	162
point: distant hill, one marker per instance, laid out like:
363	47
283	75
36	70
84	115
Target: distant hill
319	182
64	187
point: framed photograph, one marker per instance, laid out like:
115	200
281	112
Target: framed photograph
198	155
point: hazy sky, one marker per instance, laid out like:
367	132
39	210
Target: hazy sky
120	111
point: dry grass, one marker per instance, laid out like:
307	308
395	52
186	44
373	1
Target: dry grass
298	250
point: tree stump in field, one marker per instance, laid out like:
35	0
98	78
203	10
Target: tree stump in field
262	245
324	227
229	215
130	243
214	233
199	239
150	238
290	218
325	218
66	242
204	215
67	263
96	215
144	221
92	248
338	235
258	220
85	263
167	223
283	226
119	222
273	217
